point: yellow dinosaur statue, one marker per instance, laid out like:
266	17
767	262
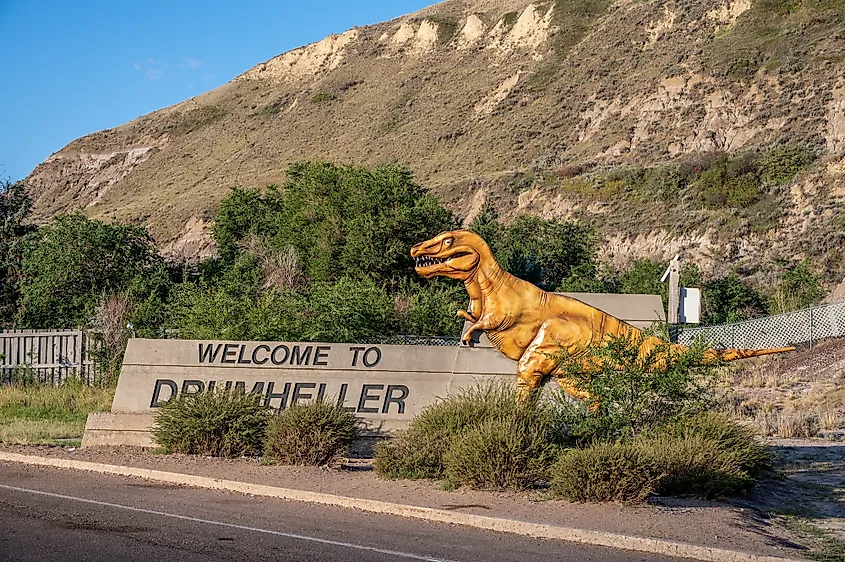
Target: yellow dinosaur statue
524	322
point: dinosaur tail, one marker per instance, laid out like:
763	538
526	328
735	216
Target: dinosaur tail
732	354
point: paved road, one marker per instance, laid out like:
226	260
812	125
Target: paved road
51	514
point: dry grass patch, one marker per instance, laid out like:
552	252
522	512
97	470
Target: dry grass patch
41	432
44	414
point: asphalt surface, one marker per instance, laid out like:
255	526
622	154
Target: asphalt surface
53	514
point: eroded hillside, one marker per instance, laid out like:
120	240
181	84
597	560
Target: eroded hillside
526	106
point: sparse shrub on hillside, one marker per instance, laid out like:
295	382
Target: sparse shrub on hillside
780	165
570	171
730	182
323	97
447	26
317	433
220	423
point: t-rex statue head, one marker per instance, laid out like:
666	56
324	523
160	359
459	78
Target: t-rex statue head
456	254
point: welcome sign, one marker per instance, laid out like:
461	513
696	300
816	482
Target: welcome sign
384	385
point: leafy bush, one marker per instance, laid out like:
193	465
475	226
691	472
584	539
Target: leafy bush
220	423
737	441
15	207
733	182
630	391
347	310
317	433
728	299
604	472
341	220
500	453
799	287
420	451
544	252
431	309
68	264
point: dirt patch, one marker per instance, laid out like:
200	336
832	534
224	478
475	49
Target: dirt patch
798	394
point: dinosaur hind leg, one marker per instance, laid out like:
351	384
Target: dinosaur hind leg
541	359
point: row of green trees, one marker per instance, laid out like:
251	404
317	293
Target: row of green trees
322	257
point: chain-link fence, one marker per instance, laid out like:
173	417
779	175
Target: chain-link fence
802	328
406	339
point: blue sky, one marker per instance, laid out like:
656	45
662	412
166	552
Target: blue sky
70	68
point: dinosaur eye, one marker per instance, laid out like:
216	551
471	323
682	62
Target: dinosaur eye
448	241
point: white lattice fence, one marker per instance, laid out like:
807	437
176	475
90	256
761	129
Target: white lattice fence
802	327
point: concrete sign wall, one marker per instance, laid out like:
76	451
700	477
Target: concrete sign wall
384	385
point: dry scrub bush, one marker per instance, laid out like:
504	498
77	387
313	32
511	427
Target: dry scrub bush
604	472
451	432
707	455
317	433
789	424
513	452
280	268
221	423
110	333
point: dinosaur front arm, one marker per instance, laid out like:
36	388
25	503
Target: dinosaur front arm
484	323
466	316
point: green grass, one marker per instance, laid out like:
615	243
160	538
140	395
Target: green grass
37	414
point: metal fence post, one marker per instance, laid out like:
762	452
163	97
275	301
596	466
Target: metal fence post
812	340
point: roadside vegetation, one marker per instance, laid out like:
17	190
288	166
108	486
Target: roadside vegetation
235	423
647	430
32	413
324	257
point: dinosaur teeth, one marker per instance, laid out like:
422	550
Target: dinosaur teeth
425	261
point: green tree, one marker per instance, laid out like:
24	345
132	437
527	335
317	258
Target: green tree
728	299
341	220
242	214
69	264
549	253
348	310
15	207
799	287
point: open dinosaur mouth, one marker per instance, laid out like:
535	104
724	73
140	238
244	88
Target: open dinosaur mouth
426	261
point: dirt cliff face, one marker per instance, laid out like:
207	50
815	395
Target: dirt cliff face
483	99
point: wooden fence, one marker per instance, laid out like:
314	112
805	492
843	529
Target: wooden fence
50	356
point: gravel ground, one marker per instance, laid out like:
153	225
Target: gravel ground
740	527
